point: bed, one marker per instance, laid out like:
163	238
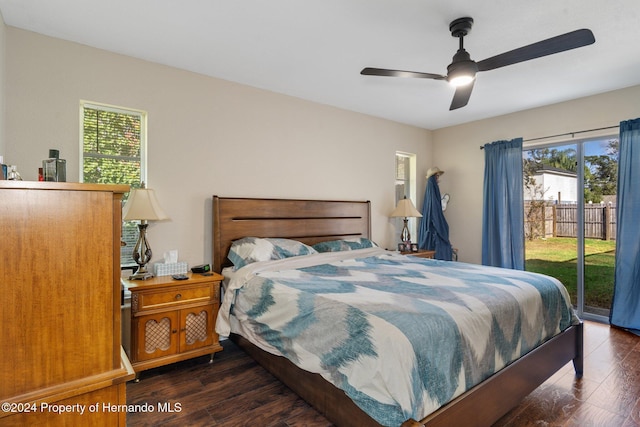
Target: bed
312	222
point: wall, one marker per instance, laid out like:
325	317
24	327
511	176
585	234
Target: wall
205	136
456	150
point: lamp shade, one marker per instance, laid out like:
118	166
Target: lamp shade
143	205
406	209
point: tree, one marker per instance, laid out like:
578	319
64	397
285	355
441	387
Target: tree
534	210
560	159
111	147
601	173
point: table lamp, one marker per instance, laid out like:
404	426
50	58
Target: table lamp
406	210
142	205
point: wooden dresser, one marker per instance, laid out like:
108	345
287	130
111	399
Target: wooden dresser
60	305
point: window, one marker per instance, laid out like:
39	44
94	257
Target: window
113	142
405	176
406	184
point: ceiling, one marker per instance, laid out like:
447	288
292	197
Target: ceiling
315	49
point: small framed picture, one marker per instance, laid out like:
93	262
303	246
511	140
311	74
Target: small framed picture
401	247
414	247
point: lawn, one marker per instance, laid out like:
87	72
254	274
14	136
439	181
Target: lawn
557	257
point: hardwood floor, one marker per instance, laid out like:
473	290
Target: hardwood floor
235	391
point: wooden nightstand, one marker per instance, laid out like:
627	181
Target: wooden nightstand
173	320
422	253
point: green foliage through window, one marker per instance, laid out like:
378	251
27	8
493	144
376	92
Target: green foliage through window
111	147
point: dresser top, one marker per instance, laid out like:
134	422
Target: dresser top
65	186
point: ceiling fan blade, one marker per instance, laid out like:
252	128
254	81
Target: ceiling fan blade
399	73
561	43
462	95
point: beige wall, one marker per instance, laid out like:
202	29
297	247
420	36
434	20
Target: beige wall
205	136
457	150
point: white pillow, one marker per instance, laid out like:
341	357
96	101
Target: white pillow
254	249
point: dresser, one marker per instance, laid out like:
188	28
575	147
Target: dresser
173	320
62	359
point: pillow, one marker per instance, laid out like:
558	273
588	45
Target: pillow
344	245
254	249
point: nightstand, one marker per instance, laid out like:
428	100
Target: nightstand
422	253
173	320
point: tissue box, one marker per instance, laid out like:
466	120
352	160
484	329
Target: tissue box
167	269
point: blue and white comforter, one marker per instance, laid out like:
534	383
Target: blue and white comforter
400	335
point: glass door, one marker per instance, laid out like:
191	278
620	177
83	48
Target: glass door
570	234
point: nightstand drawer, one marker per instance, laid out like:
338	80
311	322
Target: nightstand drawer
421	253
172	296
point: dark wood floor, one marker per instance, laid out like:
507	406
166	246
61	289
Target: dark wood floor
235	391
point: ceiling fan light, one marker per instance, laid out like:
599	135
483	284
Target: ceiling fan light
462	70
461	80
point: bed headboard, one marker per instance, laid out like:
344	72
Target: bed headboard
308	221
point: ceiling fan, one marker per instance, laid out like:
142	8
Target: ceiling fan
462	70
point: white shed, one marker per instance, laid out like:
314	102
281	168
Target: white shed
557	185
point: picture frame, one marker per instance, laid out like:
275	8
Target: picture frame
401	247
414	247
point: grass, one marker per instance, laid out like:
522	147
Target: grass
557	257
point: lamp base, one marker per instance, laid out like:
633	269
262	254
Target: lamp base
141	276
405	236
142	254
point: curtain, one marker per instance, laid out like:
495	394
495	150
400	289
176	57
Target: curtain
625	308
503	210
433	233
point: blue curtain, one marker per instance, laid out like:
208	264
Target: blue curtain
503	210
433	233
625	308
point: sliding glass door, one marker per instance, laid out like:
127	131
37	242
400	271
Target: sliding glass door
570	202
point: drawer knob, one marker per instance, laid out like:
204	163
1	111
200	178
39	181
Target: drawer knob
178	296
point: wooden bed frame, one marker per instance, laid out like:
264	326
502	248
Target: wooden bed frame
313	221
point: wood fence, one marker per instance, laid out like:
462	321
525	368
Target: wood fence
561	220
